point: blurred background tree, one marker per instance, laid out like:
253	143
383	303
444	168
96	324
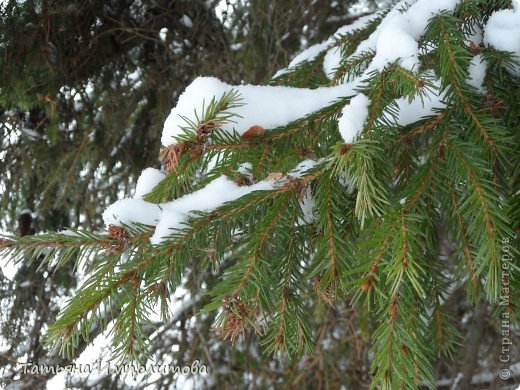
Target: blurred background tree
85	87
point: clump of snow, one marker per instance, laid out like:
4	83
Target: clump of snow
396	42
476	36
332	57
477	72
186	21
357	24
129	211
309	54
396	36
303	167
353	117
266	106
8	268
420	107
70	233
149	178
162	33
136	210
281	72
245	168
331	61
307	206
214	195
502	31
174	214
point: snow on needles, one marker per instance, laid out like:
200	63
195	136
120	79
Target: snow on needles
266	106
477	72
397	35
132	210
136	209
214	195
353	117
394	40
332	57
173	215
502	31
421	106
149	178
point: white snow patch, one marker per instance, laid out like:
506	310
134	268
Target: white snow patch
162	33
281	72
309	54
417	109
331	61
186	21
502	31
214	195
149	178
332	57
132	210
475	36
8	268
245	168
477	72
353	117
267	106
300	169
397	35
358	24
307	206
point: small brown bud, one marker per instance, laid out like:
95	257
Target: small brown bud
473	47
305	152
440	150
344	149
242	181
367	285
394	310
254	132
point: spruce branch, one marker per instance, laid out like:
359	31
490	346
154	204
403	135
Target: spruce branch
62	247
392	223
87	307
490	219
358	167
468	253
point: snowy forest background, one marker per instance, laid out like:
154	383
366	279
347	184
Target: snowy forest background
85	90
